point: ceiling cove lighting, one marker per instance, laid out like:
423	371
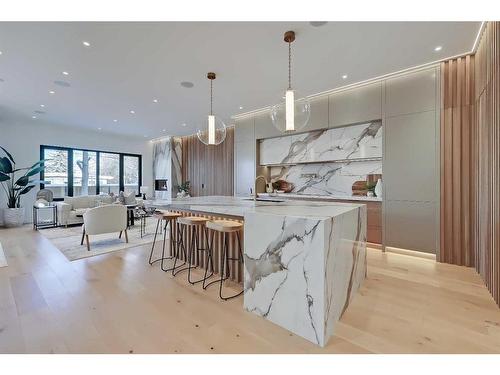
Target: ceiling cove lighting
215	131
293	114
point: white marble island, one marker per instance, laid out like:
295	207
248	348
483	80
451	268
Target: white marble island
304	261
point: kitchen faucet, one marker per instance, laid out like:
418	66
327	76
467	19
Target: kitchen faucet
255	185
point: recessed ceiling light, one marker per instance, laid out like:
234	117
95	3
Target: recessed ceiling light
155	100
99	128
52	92
438	48
42	105
132	111
164	130
317	23
344	76
187	84
65	73
33	117
0	52
241	107
184	124
86	44
115	120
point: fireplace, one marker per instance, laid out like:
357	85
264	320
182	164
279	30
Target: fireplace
161	185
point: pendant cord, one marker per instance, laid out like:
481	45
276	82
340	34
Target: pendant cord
289	65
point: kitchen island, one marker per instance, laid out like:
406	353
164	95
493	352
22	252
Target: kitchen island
303	261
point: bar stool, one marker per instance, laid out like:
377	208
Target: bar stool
226	227
196	224
170	220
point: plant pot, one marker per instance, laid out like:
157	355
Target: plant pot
13	217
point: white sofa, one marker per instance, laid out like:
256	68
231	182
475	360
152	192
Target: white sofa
71	210
110	218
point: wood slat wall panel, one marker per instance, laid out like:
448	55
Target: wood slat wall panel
456	169
209	168
470	160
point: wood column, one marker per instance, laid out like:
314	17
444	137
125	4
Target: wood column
457	161
487	196
209	168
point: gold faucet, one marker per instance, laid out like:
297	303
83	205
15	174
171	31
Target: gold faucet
255	185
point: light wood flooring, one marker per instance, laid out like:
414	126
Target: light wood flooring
117	303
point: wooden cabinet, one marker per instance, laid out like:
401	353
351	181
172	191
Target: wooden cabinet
356	105
244	167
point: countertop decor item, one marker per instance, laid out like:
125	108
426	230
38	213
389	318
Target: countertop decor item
378	188
15	186
359	188
144	190
282	185
293	114
215	131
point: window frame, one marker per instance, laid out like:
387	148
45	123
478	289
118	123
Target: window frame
98	167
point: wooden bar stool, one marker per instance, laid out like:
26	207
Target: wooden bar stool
170	220
196	224
226	227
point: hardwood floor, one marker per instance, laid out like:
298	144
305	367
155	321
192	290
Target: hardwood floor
117	303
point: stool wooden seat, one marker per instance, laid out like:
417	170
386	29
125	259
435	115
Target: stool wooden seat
192	220
166	215
224	225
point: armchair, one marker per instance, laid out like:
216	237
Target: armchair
104	219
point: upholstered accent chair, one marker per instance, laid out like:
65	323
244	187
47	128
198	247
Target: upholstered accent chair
104	219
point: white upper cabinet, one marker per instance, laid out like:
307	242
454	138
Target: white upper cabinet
244	130
411	93
264	127
275	150
356	105
319	114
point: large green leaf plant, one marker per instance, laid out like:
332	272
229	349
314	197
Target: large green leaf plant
15	188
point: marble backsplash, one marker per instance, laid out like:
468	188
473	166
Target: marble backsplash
323	158
325	178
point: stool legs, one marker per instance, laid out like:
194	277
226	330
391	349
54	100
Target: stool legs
195	249
224	266
151	261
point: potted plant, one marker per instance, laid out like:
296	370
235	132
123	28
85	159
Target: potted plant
183	189
15	187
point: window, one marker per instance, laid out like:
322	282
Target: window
84	172
73	172
131	174
56	171
109	173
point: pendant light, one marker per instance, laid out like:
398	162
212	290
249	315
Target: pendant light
293	114
214	133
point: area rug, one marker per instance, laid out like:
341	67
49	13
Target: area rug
67	240
3	260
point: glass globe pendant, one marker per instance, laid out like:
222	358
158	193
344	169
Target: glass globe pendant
214	131
293	114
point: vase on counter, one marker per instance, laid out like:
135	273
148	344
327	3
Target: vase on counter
378	188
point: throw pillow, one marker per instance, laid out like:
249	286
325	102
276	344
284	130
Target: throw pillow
130	198
121	198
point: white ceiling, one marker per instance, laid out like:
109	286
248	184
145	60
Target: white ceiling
130	64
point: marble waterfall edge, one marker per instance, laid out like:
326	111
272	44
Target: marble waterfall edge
302	272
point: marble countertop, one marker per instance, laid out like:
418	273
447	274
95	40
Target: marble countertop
238	206
324	197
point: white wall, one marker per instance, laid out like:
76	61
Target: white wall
23	142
